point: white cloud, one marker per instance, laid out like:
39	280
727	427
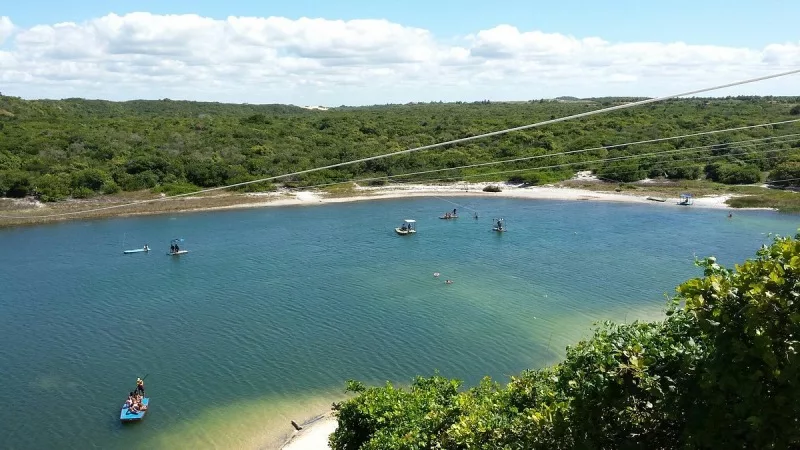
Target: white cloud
6	28
319	61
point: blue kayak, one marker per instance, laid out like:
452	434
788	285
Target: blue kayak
126	416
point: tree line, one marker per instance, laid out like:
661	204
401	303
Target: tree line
55	149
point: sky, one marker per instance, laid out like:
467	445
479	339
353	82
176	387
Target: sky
366	52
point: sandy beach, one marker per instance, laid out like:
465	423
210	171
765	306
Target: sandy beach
313	436
362	193
28	211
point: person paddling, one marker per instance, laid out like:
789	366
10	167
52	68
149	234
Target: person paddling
140	386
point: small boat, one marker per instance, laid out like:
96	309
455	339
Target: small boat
137	250
125	415
686	200
174	249
450	215
499	226
657	199
408	227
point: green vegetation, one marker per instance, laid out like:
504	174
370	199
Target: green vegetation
721	371
81	148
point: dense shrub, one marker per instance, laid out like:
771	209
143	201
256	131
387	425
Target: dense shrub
785	174
733	173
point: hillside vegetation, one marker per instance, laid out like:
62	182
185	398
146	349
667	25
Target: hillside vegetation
720	372
82	148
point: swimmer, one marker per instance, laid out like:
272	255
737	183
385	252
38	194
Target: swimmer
436	274
448	282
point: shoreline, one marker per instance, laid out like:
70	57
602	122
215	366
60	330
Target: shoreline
285	197
314	433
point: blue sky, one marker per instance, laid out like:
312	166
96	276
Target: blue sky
472	50
720	22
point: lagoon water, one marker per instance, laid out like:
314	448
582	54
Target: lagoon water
274	309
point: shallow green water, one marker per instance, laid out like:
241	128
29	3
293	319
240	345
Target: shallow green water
274	308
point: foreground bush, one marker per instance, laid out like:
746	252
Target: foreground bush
721	371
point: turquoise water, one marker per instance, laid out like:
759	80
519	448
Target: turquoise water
274	308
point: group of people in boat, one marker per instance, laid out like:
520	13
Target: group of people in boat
173	248
449	215
134	401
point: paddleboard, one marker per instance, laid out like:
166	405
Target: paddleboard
138	250
178	253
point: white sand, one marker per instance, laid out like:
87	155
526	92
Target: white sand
511	191
284	197
313	436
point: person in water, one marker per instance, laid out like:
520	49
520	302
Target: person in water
140	386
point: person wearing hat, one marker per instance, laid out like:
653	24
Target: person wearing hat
140	386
